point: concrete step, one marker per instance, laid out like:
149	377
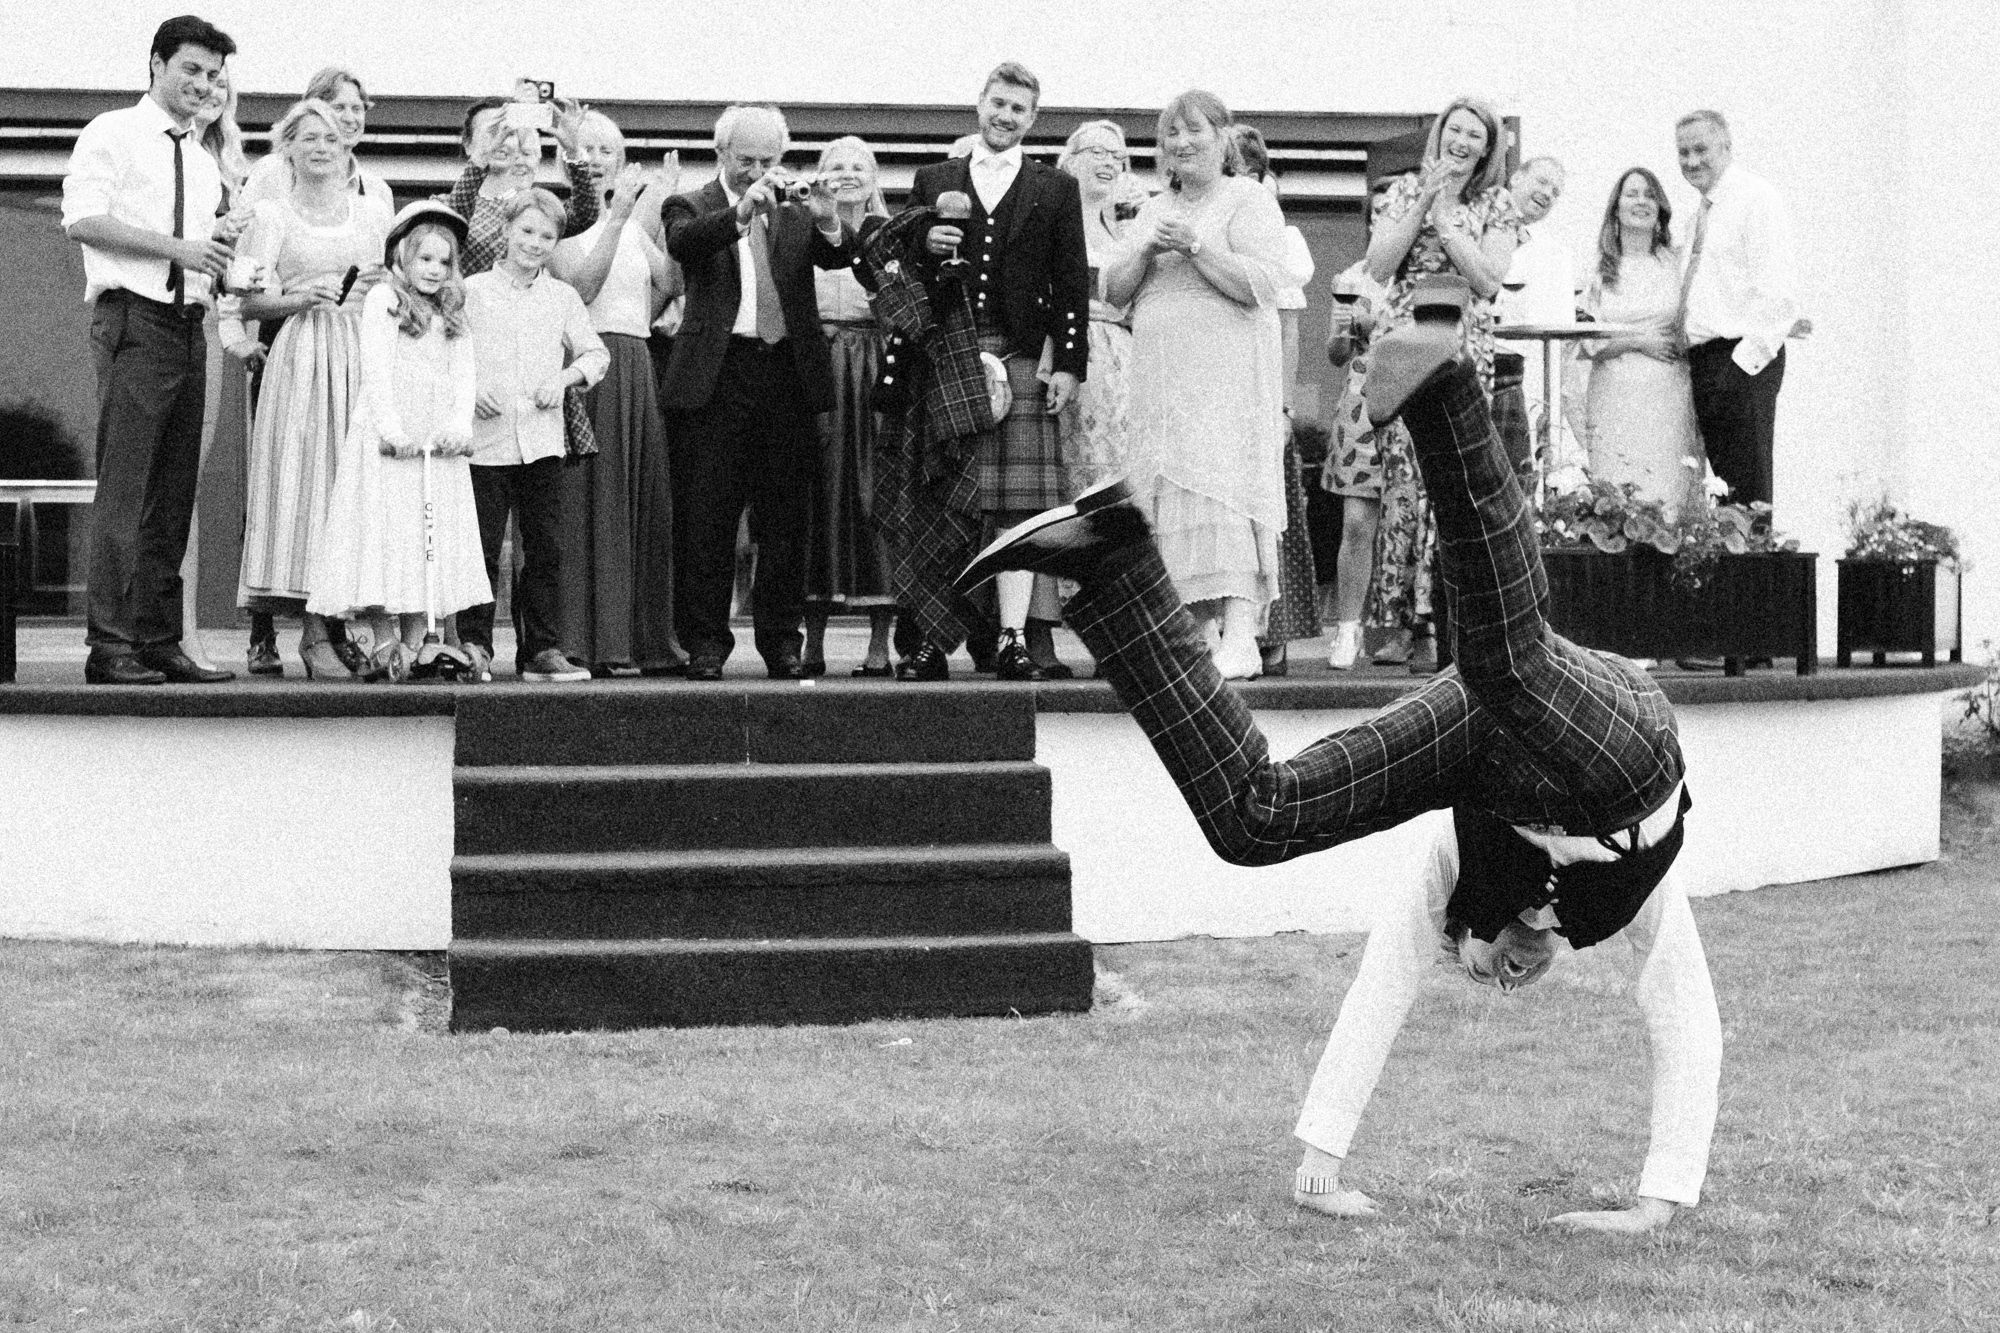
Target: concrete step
560	985
631	722
739	893
708	807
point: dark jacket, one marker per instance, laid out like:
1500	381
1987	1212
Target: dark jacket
701	236
1044	270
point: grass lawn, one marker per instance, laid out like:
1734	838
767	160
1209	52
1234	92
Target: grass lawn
221	1140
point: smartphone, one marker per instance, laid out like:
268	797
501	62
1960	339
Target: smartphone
530	116
347	283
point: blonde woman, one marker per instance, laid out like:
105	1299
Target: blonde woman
617	508
847	559
1096	432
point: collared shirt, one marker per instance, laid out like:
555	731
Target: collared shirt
746	273
522	337
993	173
1663	962
1746	284
123	168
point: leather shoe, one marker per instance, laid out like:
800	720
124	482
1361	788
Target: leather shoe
1056	671
1408	356
814	666
179	668
262	658
1069	541
124	669
1012	661
1698	663
704	667
787	666
929	663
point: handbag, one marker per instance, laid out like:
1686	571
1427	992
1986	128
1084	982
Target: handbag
579	437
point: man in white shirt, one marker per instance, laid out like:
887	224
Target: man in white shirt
141	198
1539	289
1739	297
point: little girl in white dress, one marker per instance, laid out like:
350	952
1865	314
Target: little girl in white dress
417	392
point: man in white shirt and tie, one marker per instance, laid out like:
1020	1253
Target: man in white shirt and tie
141	198
1739	297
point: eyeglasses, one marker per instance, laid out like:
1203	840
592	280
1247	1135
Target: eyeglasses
1102	154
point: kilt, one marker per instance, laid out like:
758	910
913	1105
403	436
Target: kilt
1020	460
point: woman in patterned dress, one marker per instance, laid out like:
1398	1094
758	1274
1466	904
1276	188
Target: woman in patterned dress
1096	431
1453	216
306	242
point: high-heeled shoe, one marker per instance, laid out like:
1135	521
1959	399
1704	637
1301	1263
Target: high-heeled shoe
1277	659
1238	661
1346	646
322	663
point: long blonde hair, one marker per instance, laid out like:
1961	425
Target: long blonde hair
223	138
415	309
1492	168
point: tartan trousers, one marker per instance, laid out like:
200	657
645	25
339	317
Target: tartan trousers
1525	724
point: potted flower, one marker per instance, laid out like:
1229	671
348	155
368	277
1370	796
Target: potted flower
1710	580
1898	586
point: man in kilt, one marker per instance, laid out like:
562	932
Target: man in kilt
1020	257
1562	768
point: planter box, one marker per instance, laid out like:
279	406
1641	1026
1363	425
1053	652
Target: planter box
1888	608
1751	606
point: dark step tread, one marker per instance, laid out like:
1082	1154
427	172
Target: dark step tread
486	950
1001	858
500	775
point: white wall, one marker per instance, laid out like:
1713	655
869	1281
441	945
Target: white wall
1141	871
1870	115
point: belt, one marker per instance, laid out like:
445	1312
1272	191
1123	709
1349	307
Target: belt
191	311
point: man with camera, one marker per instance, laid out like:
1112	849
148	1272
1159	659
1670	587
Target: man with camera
141	198
748	374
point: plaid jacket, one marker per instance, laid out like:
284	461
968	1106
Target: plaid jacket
486	241
930	471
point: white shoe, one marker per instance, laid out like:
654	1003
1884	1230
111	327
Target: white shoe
1239	661
1346	645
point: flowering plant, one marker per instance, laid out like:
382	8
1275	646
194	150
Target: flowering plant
1878	531
1610	516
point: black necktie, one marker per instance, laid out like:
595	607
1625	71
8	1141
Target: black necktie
176	278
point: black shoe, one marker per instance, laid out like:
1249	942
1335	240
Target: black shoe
1012	661
179	668
702	666
1698	663
812	666
262	658
1069	541
1401	361
883	672
1277	659
930	663
123	669
1056	671
787	666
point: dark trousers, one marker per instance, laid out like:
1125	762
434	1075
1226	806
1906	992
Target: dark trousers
1526	725
1510	414
152	378
1738	416
752	445
532	492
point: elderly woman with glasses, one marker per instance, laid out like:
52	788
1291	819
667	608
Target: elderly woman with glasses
1096	431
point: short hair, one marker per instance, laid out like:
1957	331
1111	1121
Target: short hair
287	128
1492	168
733	116
1209	107
1076	136
472	115
326	84
875	205
1704	117
1611	233
540	200
1540	160
187	30
1016	75
1256	154
594	117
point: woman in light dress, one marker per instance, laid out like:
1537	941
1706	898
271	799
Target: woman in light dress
617	508
1639	424
1202	271
1096	431
306	241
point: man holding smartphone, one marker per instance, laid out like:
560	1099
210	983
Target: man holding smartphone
141	198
